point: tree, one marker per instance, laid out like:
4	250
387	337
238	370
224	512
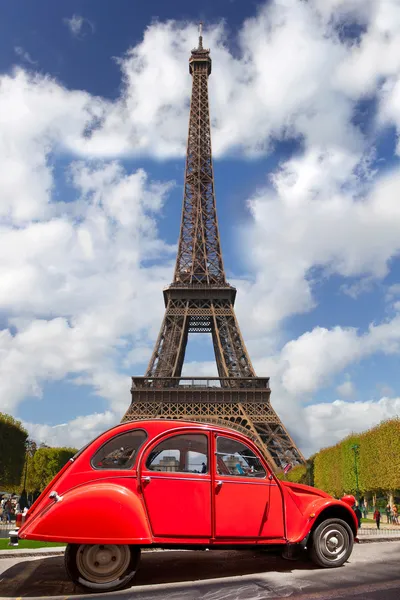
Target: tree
45	464
12	451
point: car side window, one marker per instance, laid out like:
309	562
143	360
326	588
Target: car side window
235	458
120	451
184	453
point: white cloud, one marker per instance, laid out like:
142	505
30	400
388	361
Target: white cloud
37	118
346	389
311	224
309	362
19	51
280	85
79	26
331	422
74	434
88	272
375	57
291	77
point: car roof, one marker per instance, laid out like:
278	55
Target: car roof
159	425
153	427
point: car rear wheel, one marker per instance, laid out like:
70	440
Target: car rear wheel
332	543
102	567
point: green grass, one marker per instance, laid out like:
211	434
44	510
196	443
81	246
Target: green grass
27	544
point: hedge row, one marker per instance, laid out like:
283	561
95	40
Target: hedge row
375	454
12	451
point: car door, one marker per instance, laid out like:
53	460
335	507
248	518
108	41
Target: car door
248	501
176	483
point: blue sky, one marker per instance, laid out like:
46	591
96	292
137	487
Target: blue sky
305	116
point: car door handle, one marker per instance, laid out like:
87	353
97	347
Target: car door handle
146	479
218	483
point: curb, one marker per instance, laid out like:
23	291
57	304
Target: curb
372	539
38	552
45	552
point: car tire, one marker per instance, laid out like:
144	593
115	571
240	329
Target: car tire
331	544
102	567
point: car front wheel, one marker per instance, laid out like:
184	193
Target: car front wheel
102	567
332	543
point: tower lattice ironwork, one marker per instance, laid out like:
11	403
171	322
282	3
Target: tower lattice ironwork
201	300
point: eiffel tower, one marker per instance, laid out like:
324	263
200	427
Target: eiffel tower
201	300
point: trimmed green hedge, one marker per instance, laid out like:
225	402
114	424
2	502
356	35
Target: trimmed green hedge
377	459
12	451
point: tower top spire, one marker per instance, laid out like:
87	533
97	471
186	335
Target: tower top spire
200	35
200	56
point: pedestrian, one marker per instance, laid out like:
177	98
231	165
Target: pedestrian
395	515
7	510
388	511
358	515
377	517
365	511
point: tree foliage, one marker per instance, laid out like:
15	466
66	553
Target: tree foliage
328	470
12	451
44	465
295	475
370	459
300	474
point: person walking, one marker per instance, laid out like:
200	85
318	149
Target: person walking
358	515
7	510
365	510
377	517
388	512
395	515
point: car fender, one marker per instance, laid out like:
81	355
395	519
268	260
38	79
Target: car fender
320	509
102	513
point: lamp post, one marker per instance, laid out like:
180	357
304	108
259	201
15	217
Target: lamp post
24	496
30	449
356	448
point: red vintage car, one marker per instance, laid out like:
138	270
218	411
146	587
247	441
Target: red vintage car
178	484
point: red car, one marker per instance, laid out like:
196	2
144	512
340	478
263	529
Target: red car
177	484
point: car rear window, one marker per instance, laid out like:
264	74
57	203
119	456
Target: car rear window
120	451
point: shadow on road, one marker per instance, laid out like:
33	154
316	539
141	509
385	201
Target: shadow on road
47	577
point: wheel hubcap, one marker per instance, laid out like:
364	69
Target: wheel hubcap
102	564
333	543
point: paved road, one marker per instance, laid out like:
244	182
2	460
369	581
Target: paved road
372	573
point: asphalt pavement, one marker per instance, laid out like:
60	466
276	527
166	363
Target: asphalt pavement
372	573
